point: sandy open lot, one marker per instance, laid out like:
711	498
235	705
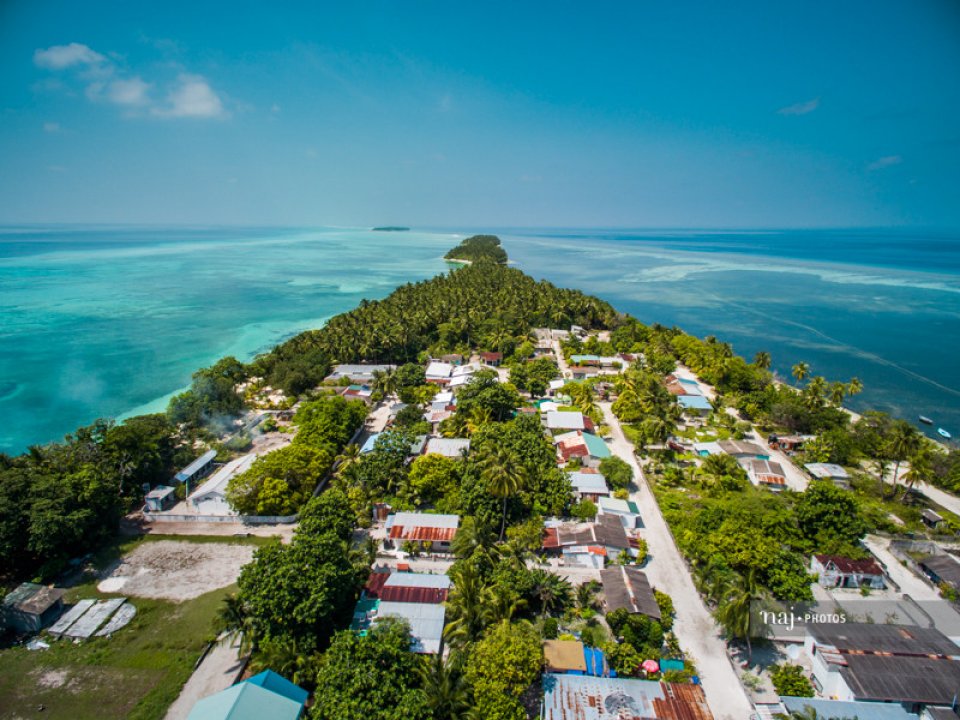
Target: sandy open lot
171	570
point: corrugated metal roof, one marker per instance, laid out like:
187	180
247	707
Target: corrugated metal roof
628	588
426	622
414	594
582	697
422	527
448	447
193	468
418	580
565	420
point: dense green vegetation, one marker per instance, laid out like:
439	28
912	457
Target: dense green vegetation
479	247
279	482
483	305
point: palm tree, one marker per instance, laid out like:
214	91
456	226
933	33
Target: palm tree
551	590
921	468
901	443
855	386
800	371
587	595
234	623
837	392
448	696
349	456
503	475
814	392
734	611
469	605
762	360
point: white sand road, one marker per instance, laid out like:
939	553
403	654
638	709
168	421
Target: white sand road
695	628
172	570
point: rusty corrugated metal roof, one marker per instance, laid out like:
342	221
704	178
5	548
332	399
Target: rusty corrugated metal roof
413	594
422	534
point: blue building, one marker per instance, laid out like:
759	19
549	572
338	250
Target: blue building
267	695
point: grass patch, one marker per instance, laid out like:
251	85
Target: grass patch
135	674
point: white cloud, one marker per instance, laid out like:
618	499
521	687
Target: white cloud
58	57
51	127
133	91
884	162
801	108
192	96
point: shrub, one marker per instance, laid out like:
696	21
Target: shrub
790	680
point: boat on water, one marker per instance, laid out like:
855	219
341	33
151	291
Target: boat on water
944	434
925	420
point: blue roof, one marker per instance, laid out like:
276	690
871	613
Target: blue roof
277	683
837	709
594	660
596	446
368	445
694	402
245	701
196	466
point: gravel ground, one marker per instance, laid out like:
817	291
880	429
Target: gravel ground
170	570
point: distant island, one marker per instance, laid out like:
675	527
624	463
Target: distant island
391	228
486	247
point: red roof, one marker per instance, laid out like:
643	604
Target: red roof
413	595
551	538
375	583
403	567
849	566
491	356
422	534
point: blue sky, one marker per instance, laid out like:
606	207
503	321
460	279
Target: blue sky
641	114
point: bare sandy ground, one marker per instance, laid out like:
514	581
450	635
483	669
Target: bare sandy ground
170	570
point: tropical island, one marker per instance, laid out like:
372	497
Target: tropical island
495	496
478	247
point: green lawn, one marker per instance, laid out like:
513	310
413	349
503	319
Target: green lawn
135	674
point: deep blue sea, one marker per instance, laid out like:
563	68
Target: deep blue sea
106	321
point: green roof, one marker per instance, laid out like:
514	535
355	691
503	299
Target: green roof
246	701
596	446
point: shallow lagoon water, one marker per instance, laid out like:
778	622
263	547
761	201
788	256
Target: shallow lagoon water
109	321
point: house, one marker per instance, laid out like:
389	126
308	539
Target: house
363	374
197	469
941	569
439	372
627	587
448	447
267	695
789	443
162	497
837	710
415	588
829	471
583	697
570	420
906	664
543	351
572	656
765	473
31	607
492	358
833	571
425	620
358	392
626	510
211	497
562	656
607	533
589	485
583	372
696	405
439	530
743	449
452	359
555	386
442	401
589	449
931	519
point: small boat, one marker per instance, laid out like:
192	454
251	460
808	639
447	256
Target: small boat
944	434
925	420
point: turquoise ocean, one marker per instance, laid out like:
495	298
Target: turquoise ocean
110	321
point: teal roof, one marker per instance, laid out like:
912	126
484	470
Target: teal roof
596	446
245	701
280	685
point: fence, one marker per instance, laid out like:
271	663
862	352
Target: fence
234	519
